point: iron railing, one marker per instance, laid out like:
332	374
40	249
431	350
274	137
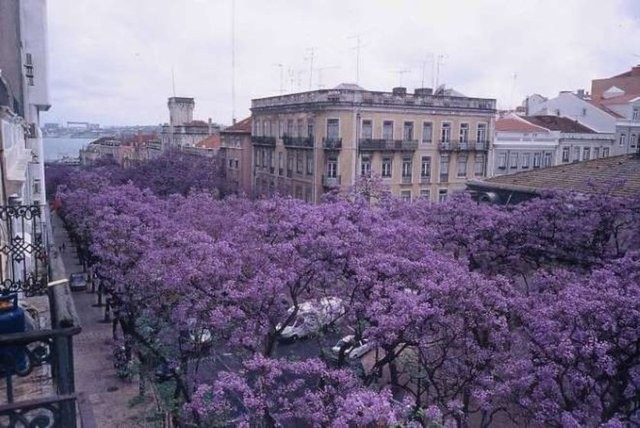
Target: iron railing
463	146
330	181
332	143
387	145
298	142
263	141
25	251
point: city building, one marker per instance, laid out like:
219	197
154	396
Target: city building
612	107
524	143
236	154
424	144
182	130
620	175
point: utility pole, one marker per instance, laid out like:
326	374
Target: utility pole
233	61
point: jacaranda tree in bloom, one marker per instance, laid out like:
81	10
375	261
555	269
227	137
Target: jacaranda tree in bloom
475	315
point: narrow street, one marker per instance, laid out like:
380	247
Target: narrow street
114	402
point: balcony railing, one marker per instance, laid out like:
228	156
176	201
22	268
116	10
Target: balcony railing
406	179
332	143
330	181
463	146
301	142
263	141
367	144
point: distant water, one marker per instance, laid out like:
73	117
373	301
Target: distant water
56	148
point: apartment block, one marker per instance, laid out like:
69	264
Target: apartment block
424	144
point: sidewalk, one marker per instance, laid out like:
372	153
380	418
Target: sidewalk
113	400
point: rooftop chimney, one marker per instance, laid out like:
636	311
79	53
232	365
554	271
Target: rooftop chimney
399	91
580	93
421	92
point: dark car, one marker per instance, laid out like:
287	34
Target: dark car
78	281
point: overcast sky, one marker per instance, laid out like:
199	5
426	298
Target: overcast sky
111	61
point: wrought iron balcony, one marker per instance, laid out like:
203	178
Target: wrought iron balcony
300	142
463	146
332	143
330	181
263	141
371	145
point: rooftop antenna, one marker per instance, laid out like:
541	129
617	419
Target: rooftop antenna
400	73
357	49
312	52
281	77
292	77
233	61
424	66
173	82
319	70
439	60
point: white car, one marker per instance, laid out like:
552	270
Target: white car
353	349
311	318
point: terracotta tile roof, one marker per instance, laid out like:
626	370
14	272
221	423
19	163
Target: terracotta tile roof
628	81
244	126
577	176
211	142
517	124
558	123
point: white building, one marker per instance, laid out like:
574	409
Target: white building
182	130
530	142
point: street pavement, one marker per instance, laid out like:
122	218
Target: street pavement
113	400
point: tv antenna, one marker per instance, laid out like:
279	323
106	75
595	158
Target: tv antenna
400	73
233	61
281	67
320	70
357	49
439	60
173	82
312	54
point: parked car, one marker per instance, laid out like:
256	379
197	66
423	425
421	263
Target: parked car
311	317
353	349
78	281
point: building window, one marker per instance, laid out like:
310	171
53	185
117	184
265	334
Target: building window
332	167
299	163
28	66
445	132
365	166
565	154
281	130
576	154
605	152
478	168
633	141
442	195
367	129
586	153
386	167
537	159
526	160
425	168
547	160
636	113
267	131
406	168
513	160
230	163
444	167
300	128
623	139
425	194
407	134
309	163
280	164
310	128
333	129
237	163
462	166
270	161
290	129
427	132
405	195
256	128
387	130
464	132
289	164
481	135
502	160
596	152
